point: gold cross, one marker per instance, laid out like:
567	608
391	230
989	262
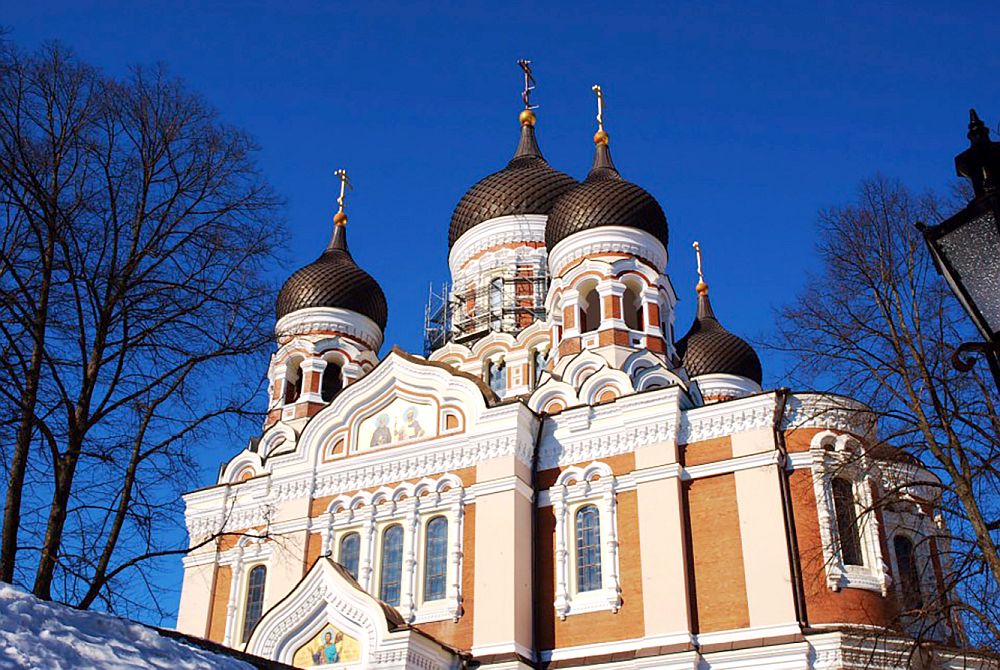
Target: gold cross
529	84
697	251
600	106
345	183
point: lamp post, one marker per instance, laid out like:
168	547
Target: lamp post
966	247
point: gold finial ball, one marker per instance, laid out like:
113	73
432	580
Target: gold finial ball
340	219
601	137
701	287
527	118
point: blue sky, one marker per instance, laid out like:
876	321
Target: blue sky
742	119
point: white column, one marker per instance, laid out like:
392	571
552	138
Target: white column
411	537
562	552
455	529
366	564
234	590
609	546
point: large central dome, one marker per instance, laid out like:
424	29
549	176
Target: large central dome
528	185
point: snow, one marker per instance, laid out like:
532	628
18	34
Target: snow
39	634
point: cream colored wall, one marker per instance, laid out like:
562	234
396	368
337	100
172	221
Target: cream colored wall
503	580
770	598
661	544
196	600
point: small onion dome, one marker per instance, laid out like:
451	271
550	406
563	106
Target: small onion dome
708	348
605	199
334	280
528	185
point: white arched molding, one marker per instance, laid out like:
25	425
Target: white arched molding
603	380
575	488
552	390
412	506
835	455
918	528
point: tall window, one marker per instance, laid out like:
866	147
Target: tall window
332	381
436	558
847	522
588	549
350	552
392	565
255	600
909	576
293	382
632	308
590	311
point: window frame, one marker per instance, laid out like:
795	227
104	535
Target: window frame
246	629
842	456
383	536
576	488
425	562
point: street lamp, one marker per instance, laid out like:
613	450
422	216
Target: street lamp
966	247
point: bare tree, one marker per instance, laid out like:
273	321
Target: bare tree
877	323
137	238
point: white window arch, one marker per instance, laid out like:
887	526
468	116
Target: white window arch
849	532
586	582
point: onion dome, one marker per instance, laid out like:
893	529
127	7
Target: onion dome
708	348
605	199
334	280
528	185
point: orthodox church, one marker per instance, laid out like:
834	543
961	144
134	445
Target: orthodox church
561	482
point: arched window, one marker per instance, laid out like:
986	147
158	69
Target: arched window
590	310
293	382
350	552
332	381
436	558
588	549
255	600
391	575
496	377
909	576
847	522
632	309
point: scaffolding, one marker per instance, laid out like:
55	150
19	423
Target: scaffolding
498	304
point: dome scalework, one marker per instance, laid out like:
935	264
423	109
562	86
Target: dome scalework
528	185
708	348
605	199
334	280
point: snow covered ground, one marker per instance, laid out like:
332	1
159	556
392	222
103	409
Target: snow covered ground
38	634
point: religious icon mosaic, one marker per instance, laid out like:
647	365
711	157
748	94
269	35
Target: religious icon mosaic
330	646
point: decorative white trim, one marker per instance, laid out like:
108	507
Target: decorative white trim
412	506
494	233
841	456
726	387
575	488
320	319
613	239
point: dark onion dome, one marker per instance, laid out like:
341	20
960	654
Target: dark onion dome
708	348
334	280
528	185
605	199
